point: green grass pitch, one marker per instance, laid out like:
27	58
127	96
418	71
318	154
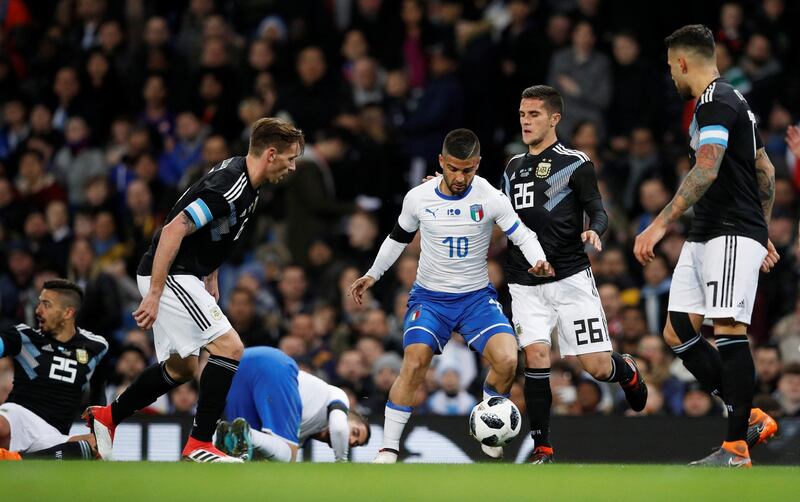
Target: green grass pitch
142	481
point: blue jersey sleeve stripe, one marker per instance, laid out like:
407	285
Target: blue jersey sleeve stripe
714	128
2	347
398	407
513	228
204	207
715	141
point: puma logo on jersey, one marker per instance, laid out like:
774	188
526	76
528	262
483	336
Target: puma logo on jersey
433	212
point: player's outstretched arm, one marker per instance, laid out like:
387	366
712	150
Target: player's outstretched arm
584	183
168	245
522	236
702	175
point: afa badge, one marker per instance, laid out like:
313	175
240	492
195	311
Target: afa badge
543	169
216	313
82	356
476	212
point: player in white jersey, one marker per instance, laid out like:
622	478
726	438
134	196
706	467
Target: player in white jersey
275	408
455	215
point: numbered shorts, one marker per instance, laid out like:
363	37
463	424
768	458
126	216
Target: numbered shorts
571	304
29	431
717	278
432	316
188	316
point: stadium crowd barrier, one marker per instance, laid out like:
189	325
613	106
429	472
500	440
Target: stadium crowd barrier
436	439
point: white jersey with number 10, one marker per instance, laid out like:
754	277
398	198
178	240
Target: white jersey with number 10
456	232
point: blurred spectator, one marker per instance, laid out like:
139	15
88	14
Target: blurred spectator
311	102
185	151
659	359
731	72
183	398
786	334
612	307
77	161
634	327
762	68
384	372
33	184
767	359
102	306
635	81
698	403
788	394
352	371
582	75
451	398
655	293
244	319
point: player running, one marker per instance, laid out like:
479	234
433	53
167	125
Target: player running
455	215
177	277
53	367
551	187
731	188
279	408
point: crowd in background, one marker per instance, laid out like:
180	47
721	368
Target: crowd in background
110	110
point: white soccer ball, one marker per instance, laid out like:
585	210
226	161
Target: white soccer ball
495	421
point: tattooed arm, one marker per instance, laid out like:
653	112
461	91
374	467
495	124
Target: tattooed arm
765	173
696	183
169	243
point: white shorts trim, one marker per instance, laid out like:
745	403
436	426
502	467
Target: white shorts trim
29	431
188	316
718	278
571	304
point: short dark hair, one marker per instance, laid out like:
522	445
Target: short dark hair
274	132
550	96
695	37
69	291
461	144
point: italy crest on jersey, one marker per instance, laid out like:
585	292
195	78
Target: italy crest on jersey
414	315
476	212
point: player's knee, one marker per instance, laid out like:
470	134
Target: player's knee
5	433
599	369
678	329
505	365
537	355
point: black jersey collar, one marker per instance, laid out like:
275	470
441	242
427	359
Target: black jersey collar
553	145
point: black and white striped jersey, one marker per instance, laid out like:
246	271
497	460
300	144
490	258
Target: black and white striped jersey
550	192
220	204
50	377
731	206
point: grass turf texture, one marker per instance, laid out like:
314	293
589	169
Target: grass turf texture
143	481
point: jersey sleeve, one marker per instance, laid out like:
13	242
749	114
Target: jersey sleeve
408	219
10	342
584	182
214	200
338	427
714	121
504	214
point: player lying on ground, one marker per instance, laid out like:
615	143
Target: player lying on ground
276	408
53	367
551	187
455	215
177	278
731	189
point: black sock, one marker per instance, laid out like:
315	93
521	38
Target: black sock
214	385
621	371
151	384
538	399
738	383
702	361
73	450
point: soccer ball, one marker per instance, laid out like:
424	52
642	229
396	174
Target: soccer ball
494	421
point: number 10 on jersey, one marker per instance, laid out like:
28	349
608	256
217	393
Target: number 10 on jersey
459	247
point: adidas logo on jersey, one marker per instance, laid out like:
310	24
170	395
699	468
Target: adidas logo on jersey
48	348
740	305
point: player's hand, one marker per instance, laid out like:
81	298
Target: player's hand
147	312
592	238
212	286
428	178
647	240
771	259
793	139
359	287
542	269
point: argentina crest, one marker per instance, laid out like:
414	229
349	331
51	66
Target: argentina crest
476	212
543	169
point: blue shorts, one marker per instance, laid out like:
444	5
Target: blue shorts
432	316
265	393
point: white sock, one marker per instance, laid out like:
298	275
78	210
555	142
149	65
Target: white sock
396	417
271	447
